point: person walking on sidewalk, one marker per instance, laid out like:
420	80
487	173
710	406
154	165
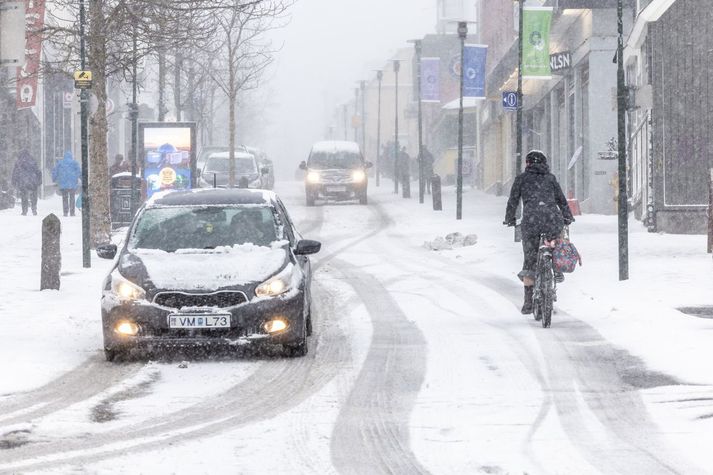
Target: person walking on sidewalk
119	165
26	178
544	211
427	168
66	175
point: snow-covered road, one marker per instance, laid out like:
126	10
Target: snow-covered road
420	363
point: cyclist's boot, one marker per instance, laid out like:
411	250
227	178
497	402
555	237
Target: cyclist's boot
527	306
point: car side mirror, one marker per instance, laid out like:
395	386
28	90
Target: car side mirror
368	165
265	171
107	251
303	166
306	247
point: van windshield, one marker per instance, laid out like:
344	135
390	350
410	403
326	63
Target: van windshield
329	160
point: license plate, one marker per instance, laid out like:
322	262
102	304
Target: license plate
199	321
336	189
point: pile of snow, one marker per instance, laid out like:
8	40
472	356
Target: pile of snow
451	241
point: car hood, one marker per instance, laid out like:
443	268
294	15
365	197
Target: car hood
204	270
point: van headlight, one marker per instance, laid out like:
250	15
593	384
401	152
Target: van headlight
278	284
124	289
313	178
358	176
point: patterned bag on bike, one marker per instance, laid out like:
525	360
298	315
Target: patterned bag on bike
565	256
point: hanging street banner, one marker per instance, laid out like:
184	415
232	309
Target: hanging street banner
27	75
430	79
536	43
474	71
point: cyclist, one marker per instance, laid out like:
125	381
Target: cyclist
545	211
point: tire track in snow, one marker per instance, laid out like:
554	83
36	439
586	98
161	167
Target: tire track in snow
372	431
570	365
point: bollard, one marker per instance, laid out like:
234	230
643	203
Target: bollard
51	256
406	186
436	193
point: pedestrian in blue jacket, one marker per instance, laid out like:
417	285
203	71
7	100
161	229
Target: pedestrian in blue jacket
26	177
66	175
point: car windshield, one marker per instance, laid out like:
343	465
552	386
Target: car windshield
243	165
338	159
172	228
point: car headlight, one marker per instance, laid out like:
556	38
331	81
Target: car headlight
125	289
358	176
277	285
313	177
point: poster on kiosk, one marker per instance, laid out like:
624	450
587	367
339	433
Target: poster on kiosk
168	154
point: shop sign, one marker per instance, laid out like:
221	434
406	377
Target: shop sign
561	61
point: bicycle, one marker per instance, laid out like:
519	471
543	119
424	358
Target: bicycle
545	291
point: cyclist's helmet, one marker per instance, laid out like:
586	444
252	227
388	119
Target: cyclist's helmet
535	156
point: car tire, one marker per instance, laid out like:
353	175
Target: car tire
310	199
114	355
295	351
363	199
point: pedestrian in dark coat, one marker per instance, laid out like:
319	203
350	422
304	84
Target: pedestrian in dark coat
545	211
26	178
119	165
427	159
66	175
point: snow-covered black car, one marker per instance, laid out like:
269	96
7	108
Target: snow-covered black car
336	170
209	267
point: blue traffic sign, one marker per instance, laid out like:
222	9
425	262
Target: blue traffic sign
510	101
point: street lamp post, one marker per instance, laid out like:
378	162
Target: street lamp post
379	78
418	46
134	117
362	87
397	168
621	105
355	124
462	34
518	128
346	127
83	102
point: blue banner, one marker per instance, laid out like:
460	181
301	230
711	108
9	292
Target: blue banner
474	71
431	79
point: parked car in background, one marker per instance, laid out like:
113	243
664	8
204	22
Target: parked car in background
269	171
211	267
336	170
248	174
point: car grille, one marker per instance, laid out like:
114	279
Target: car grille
222	299
335	178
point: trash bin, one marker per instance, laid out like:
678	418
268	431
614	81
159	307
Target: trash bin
120	196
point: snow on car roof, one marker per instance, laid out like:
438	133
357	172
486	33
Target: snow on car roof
227	155
212	196
335	146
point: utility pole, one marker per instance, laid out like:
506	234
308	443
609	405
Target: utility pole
83	103
462	34
623	198
518	146
418	46
397	168
379	78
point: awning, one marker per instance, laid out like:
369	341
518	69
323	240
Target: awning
468	103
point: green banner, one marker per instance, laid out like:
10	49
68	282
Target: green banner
536	44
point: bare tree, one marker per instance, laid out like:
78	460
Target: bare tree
245	53
111	27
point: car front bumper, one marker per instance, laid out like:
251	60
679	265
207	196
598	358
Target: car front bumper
336	190
246	325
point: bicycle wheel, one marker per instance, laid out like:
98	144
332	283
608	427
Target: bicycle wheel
547	301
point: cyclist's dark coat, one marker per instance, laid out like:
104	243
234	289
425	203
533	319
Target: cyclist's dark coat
545	209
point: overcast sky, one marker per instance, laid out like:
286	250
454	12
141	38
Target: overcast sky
328	46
